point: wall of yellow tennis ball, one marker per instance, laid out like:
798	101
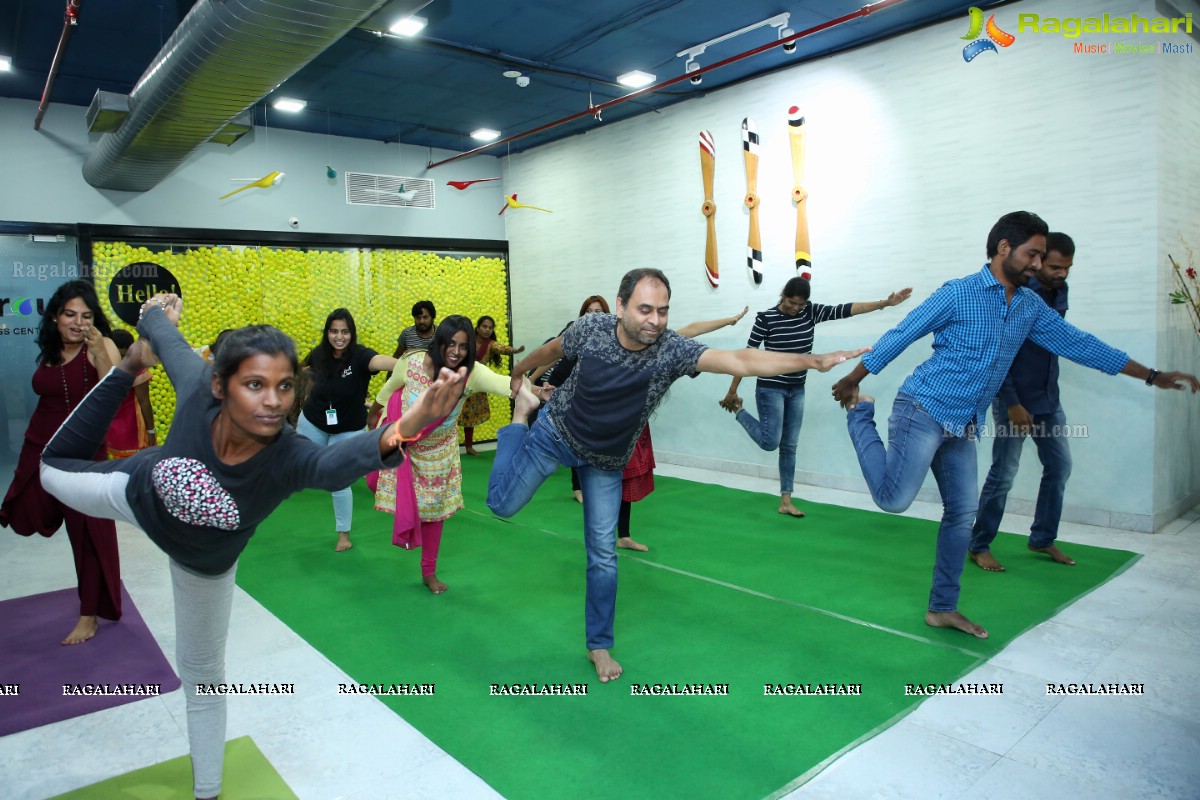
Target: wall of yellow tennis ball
295	289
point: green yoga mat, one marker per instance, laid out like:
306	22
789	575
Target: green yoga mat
731	594
248	776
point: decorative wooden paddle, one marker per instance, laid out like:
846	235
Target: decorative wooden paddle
754	257
270	179
799	194
708	163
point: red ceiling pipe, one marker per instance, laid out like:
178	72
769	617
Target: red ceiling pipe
862	12
70	20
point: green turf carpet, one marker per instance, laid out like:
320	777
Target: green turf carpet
730	593
248	776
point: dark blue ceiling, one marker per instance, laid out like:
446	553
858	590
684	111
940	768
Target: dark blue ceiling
434	89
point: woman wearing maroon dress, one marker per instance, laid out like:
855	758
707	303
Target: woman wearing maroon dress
74	353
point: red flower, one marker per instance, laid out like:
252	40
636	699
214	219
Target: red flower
1191	273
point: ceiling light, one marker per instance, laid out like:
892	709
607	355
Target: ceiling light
5	63
636	79
409	26
485	134
288	104
511	73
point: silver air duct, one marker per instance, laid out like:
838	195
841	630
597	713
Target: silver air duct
224	57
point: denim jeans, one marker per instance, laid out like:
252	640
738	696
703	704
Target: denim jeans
780	412
917	443
525	457
343	499
1055	456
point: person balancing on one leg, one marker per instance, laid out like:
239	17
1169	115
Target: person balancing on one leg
978	324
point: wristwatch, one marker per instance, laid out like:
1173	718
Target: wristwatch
1152	376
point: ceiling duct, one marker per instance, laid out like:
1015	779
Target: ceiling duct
224	57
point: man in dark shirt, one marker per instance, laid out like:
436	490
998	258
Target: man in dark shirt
624	366
419	335
1028	405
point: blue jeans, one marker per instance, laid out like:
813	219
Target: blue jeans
780	412
525	457
343	499
917	443
1055	456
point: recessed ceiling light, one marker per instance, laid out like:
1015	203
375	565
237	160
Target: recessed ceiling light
484	134
636	79
511	73
288	104
5	63
409	26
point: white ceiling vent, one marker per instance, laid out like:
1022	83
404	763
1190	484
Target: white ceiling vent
367	189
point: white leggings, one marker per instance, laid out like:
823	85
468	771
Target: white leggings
202	608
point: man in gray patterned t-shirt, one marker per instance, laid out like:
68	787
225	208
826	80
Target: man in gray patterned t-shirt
625	364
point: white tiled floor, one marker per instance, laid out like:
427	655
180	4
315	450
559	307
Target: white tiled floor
1144	625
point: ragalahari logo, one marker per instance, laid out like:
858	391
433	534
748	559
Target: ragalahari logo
995	36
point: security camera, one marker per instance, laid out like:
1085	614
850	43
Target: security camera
294	222
523	81
788	47
692	66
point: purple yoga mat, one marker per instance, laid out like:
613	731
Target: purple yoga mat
122	660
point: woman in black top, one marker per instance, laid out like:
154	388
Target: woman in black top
227	465
339	372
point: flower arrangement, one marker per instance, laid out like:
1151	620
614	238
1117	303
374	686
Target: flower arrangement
1188	293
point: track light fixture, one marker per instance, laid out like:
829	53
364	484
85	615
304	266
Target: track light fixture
779	22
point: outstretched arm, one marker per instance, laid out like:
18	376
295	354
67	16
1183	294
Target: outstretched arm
160	318
1162	380
745	363
694	329
893	299
382	363
434	404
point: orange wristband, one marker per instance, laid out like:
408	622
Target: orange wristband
395	439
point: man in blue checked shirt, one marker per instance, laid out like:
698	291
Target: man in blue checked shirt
978	324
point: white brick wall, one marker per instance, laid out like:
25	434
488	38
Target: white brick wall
913	155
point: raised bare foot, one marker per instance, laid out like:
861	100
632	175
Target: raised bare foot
343	542
629	544
578	495
435	586
471	451
1055	553
953	619
84	630
986	561
525	404
607	668
786	506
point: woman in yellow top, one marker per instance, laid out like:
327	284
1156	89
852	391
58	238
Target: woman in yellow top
433	469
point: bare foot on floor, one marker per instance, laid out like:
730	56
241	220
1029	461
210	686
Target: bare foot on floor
629	544
84	629
435	586
471	451
1055	553
986	561
578	495
607	669
343	542
786	506
953	619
